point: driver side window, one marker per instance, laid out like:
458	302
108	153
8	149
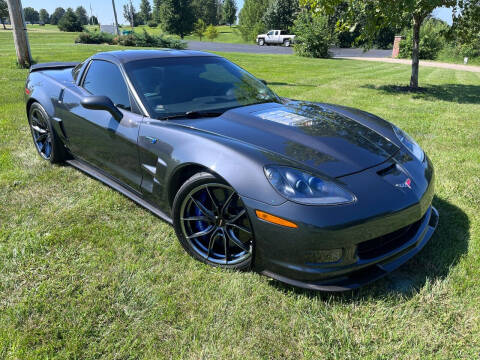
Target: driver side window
105	78
270	33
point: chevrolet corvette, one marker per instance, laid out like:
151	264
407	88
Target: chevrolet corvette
314	195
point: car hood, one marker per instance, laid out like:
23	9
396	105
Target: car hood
323	137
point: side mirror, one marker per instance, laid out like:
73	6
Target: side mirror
102	103
263	81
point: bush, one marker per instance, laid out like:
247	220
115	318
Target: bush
87	37
135	40
70	22
432	40
152	24
313	36
211	33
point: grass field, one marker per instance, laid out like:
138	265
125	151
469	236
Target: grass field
85	273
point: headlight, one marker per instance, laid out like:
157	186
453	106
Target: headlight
409	143
306	189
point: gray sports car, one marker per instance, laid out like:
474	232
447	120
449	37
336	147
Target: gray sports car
315	195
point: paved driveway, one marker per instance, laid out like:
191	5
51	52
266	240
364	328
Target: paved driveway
255	49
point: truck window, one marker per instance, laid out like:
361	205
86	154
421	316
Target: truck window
277	32
270	33
105	78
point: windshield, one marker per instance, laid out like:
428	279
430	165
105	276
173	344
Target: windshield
175	86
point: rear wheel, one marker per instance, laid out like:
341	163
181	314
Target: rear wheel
286	43
212	223
46	141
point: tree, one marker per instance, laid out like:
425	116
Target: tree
177	17
145	11
57	15
3	12
130	13
30	14
466	28
211	33
229	12
314	35
280	14
81	15
93	20
44	16
70	22
380	14
156	10
251	18
205	10
199	29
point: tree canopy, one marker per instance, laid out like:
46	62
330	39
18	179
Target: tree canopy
145	10
70	22
380	14
3	12
251	18
177	17
31	14
57	15
44	16
229	12
281	14
82	15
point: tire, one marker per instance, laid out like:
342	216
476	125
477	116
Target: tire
287	42
45	139
212	223
261	42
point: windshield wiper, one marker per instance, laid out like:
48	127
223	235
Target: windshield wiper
193	115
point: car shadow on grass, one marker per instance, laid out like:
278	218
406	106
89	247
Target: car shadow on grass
444	250
458	93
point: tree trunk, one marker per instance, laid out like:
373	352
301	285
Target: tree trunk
20	37
417	23
4	27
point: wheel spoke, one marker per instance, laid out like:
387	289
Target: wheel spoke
202	233
197	218
39	129
241	228
236	217
225	244
237	241
211	242
212	200
203	209
227	203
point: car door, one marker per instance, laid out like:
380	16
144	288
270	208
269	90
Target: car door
94	135
276	37
270	37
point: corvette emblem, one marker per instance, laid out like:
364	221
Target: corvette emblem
406	184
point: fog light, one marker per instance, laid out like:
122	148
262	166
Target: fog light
324	256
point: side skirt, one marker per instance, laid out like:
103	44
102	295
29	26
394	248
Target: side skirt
89	170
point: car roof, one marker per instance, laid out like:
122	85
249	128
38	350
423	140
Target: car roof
125	56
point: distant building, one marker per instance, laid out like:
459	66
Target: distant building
111	29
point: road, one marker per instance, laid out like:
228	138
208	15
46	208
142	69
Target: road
255	49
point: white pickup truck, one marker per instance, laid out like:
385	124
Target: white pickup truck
275	37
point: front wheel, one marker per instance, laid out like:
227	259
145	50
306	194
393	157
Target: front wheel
212	223
261	42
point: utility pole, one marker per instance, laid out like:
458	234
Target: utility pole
116	20
20	37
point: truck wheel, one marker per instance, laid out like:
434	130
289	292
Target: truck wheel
286	43
261	42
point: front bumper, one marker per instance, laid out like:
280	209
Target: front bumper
381	231
362	272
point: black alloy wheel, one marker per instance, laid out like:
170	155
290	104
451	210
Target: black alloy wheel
212	223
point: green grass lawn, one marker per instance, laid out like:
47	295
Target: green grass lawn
85	273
